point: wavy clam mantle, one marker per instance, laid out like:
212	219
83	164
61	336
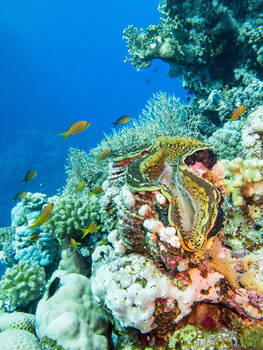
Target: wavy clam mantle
193	203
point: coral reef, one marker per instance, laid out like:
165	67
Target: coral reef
194	37
176	258
38	248
157	266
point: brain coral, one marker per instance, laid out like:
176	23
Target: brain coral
16	339
17	320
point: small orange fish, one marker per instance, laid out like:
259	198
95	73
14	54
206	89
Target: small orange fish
97	190
75	128
104	154
43	217
34	238
122	120
237	113
93	228
75	244
80	186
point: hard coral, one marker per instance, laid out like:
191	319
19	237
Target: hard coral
21	285
243	179
194	37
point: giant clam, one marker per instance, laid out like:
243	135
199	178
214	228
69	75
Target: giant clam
164	208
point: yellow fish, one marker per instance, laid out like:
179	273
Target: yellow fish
75	128
19	195
80	186
30	175
104	154
75	244
237	113
93	228
97	190
25	219
43	217
122	120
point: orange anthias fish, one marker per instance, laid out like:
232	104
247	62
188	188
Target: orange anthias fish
93	228
237	113
97	190
104	154
75	128
75	244
43	217
34	238
122	120
80	186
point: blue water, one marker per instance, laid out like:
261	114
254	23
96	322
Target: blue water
60	62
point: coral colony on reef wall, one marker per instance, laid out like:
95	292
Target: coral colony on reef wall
176	202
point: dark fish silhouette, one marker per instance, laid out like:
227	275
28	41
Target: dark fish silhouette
19	195
30	175
53	287
96	176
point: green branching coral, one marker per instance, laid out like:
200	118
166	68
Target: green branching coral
162	115
71	213
82	166
21	285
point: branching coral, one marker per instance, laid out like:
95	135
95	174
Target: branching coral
21	285
243	179
71	213
162	115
